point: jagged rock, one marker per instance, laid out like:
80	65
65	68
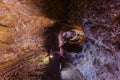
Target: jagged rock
24	21
21	43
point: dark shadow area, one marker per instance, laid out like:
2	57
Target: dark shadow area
72	48
54	9
51	37
52	71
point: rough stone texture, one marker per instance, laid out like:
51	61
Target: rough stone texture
21	41
99	59
100	56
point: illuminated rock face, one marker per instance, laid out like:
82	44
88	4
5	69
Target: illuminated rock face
22	25
22	50
21	41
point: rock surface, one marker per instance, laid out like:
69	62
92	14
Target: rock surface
21	43
100	57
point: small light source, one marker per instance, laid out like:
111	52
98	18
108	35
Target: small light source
51	56
46	59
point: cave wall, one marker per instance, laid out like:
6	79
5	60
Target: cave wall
21	41
99	59
22	23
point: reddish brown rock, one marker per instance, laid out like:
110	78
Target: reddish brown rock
21	42
22	50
